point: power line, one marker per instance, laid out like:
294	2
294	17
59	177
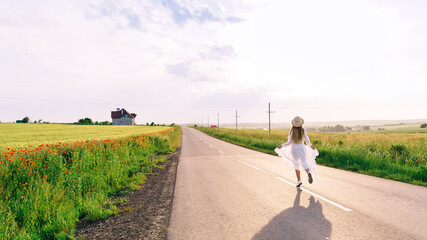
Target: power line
398	64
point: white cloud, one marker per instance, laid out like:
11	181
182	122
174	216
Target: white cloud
181	54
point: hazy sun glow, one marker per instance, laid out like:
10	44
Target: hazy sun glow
178	61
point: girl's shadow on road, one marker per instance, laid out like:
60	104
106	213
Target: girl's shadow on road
297	222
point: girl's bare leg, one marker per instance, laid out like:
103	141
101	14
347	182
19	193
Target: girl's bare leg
298	174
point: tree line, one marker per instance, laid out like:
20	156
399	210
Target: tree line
27	120
88	121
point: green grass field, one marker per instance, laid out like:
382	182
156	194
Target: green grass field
400	156
16	135
46	188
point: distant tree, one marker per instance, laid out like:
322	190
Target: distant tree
40	120
96	123
324	129
424	125
339	128
105	123
35	121
348	129
336	128
85	121
311	129
25	120
366	128
152	124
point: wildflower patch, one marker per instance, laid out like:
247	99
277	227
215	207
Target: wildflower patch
45	190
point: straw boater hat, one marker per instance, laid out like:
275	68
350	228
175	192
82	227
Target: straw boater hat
297	122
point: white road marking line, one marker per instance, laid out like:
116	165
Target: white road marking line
317	195
292	184
212	146
249	165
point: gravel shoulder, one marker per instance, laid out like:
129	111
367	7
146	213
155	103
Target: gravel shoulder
147	212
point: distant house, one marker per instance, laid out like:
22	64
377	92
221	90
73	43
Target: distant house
123	117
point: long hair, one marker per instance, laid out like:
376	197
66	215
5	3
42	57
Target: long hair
297	134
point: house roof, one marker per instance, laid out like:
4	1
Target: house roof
121	113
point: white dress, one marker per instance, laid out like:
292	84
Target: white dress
296	154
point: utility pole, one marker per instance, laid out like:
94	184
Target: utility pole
218	119
269	119
236	120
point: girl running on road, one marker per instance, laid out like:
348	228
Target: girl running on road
296	153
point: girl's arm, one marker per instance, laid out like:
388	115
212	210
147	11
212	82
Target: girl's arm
307	140
288	142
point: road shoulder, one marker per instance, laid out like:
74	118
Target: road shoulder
146	214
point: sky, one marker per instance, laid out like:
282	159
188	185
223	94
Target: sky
184	61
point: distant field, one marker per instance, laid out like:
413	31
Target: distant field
399	156
399	125
15	135
407	128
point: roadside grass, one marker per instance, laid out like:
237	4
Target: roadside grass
45	190
397	156
16	135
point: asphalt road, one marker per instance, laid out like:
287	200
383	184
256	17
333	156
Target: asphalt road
224	191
